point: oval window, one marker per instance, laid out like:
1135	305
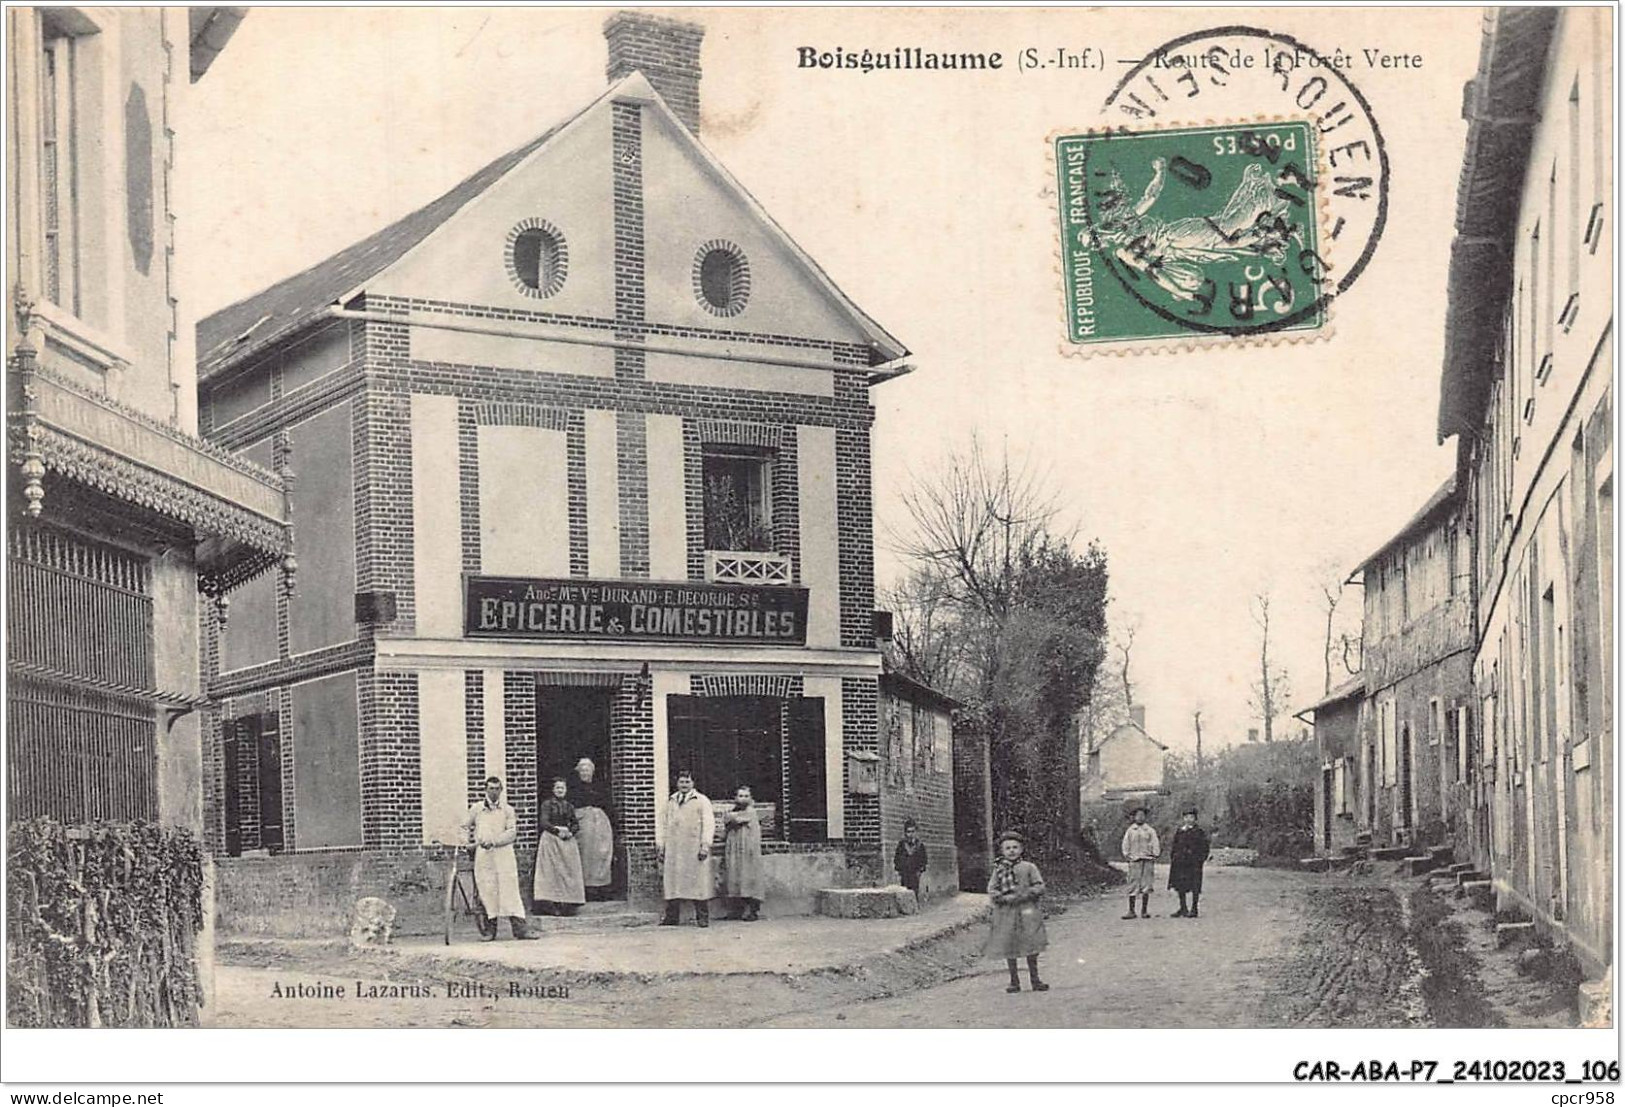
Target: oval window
537	258
722	278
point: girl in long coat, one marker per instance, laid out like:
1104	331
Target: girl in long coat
1016	887
596	836
558	889
742	856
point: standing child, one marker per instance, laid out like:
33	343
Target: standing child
1140	850
742	857
909	860
1016	887
1185	860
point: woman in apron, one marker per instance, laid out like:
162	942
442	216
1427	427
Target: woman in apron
597	835
558	889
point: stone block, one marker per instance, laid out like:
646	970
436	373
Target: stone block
1390	853
1415	866
1480	893
865	903
1442	855
372	923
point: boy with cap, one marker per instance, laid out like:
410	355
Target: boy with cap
1186	855
1141	850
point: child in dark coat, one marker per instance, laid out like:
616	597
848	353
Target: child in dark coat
909	860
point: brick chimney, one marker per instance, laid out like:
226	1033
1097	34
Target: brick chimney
1136	714
666	51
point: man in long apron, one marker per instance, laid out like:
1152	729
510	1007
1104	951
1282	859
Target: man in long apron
686	850
492	828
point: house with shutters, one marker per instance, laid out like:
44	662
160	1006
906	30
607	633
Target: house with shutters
1526	390
1341	821
1415	776
580	464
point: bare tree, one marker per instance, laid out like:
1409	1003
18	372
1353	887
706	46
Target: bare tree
1338	644
1196	720
1352	648
1330	595
975	521
1011	618
1271	691
1123	643
1105	711
925	639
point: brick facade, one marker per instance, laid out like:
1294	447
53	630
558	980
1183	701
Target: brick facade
383	380
666	51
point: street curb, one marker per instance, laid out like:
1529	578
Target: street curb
242	951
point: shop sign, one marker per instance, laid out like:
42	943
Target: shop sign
634	611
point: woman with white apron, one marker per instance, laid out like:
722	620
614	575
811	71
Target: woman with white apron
597	835
558	889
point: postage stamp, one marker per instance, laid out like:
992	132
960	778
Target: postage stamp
1207	229
1235	184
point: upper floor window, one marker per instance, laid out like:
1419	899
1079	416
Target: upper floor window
59	124
538	258
721	278
738	499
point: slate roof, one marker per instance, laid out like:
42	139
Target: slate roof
298	300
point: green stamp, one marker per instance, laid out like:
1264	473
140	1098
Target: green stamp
1190	231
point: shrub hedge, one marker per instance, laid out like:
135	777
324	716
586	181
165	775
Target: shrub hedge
102	924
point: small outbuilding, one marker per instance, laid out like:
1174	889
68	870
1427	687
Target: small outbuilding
1126	761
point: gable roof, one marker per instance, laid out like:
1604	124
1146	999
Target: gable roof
1443	496
239	331
1129	726
1352	688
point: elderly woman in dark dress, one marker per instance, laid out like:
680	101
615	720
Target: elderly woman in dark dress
558	889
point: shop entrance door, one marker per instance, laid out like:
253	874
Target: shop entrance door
572	723
726	741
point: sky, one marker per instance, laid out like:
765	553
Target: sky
1209	476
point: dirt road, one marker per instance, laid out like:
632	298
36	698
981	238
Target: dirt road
1272	948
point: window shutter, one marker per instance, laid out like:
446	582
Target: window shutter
1461	743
